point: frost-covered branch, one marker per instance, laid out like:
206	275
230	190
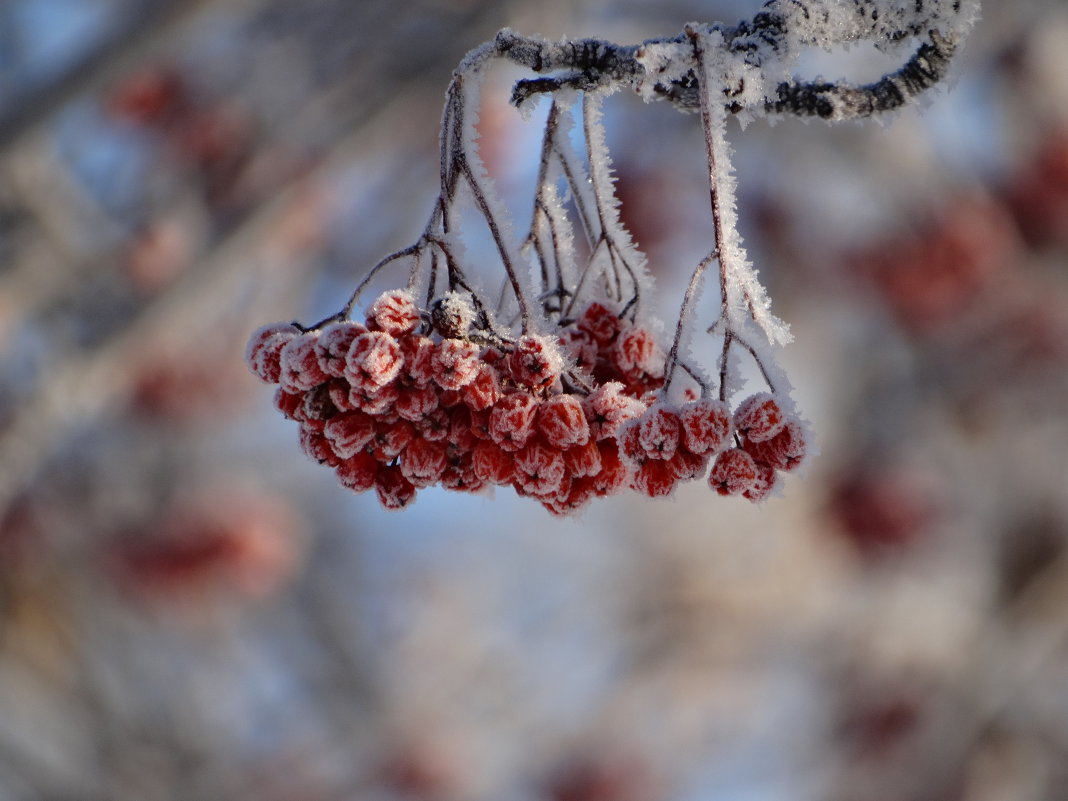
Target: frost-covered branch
562	388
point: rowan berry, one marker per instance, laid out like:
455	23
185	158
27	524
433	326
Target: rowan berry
300	370
600	323
511	420
658	431
415	403
314	444
455	363
613	473
373	360
394	312
654	478
358	472
765	483
332	346
583	460
394	490
784	451
535	362
418	353
349	432
607	408
264	350
539	469
391	439
493	464
423	462
733	473
706	426
759	417
636	354
562	422
484	390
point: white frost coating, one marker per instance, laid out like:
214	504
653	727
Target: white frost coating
663	62
746	296
561	225
574	166
619	250
485	189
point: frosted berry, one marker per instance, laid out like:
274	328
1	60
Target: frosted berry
583	460
511	421
332	347
706	426
264	350
424	462
562	422
493	464
373	360
600	323
455	363
759	417
784	451
607	408
539	469
636	354
391	439
655	478
658	431
394	490
733	473
484	390
765	483
415	403
418	353
349	433
535	362
299	364
395	312
358	472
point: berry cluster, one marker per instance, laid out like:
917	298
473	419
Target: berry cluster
405	400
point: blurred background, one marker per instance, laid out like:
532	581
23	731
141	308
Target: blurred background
190	609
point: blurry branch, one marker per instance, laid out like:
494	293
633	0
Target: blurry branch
142	29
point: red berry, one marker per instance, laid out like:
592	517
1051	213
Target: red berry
583	460
376	401
264	350
391	439
688	466
759	417
767	479
511	421
332	347
607	408
418	353
415	403
784	451
539	469
349	433
706	426
655	478
562	422
423	462
484	390
636	354
395	313
535	362
394	490
373	360
658	431
613	473
492	464
455	363
733	473
358	471
600	323
314	444
300	370
434	426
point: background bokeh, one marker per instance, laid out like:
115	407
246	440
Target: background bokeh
190	609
